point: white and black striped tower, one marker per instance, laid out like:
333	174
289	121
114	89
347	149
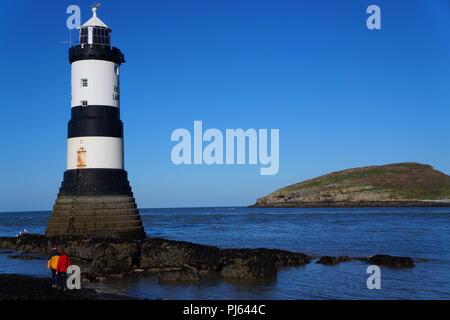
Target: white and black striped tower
95	198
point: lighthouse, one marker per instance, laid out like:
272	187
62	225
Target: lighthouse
95	198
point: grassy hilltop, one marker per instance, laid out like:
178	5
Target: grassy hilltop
400	184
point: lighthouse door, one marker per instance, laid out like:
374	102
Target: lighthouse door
81	158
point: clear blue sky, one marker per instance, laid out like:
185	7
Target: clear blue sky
341	95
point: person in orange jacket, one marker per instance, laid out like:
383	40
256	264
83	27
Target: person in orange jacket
61	269
52	264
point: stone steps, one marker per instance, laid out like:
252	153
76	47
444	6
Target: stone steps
94	224
105	199
94	212
109	216
102	205
63	219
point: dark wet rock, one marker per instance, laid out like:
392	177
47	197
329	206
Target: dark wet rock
100	279
161	253
379	260
255	264
284	258
180	275
175	260
331	261
32	243
20	287
115	258
84	249
247	264
390	261
7	243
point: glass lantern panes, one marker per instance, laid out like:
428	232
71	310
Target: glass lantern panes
100	35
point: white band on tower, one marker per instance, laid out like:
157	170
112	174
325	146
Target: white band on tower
95	82
94	152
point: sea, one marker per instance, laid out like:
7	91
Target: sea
420	233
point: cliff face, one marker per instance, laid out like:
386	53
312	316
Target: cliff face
400	184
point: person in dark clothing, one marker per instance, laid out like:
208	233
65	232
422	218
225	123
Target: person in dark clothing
52	265
61	269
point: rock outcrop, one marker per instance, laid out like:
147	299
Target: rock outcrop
176	260
379	260
331	261
171	260
390	261
401	184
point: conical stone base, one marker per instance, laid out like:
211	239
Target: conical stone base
95	203
102	216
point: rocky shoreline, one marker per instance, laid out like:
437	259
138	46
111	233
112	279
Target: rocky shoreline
21	287
170	260
360	204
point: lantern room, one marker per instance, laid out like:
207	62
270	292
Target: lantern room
95	31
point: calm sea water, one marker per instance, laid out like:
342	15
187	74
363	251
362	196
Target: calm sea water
420	233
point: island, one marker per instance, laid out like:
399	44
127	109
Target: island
393	185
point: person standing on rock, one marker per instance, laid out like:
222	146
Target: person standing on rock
52	264
61	269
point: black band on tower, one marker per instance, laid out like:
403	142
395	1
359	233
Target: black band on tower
95	182
96	52
95	112
96	121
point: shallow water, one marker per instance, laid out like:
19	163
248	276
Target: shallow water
421	233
